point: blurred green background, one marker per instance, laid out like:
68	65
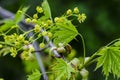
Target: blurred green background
101	26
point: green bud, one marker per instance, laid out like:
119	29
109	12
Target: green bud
76	10
49	22
69	12
56	19
1	46
34	21
37	28
44	33
49	34
28	20
35	16
39	9
42	45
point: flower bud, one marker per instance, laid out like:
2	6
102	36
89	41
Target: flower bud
1	46
35	16
28	20
69	12
44	33
34	21
37	28
49	34
56	19
76	10
42	45
39	9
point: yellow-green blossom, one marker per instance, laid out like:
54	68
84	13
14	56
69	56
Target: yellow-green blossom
28	20
81	17
69	12
39	9
35	16
76	10
37	28
42	45
13	52
1	46
44	33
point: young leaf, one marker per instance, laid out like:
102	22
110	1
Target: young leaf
109	59
62	70
46	9
7	24
117	44
20	14
65	32
36	75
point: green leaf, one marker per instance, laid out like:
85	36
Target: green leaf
4	51
62	70
109	59
117	44
36	75
46	9
19	16
65	32
30	65
7	24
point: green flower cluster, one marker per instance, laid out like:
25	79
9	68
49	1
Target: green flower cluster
43	27
16	44
80	17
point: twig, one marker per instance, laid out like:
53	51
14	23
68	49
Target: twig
38	56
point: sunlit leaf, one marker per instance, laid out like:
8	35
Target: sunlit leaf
109	59
30	65
62	70
36	75
117	44
46	9
7	24
19	16
65	33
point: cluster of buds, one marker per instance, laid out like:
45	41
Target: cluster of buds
81	17
27	53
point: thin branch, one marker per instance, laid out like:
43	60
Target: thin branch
38	56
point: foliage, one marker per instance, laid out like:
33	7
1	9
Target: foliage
109	60
36	75
67	28
62	70
60	31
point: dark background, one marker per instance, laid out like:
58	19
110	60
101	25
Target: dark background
101	27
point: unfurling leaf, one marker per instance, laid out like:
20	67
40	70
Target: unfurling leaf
62	70
109	59
19	16
7	24
46	9
36	75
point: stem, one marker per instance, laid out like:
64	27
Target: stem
113	42
6	44
88	61
38	56
8	30
84	52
